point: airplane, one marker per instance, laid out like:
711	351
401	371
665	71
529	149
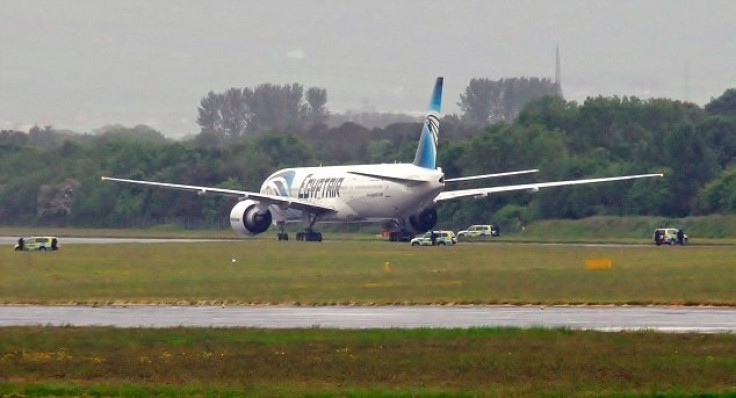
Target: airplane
406	194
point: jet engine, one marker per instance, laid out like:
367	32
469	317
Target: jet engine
424	220
250	218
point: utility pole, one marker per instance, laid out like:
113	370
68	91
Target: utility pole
558	71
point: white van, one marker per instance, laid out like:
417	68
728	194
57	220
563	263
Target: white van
668	236
479	231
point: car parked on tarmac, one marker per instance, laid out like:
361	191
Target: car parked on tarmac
441	238
37	243
669	236
479	231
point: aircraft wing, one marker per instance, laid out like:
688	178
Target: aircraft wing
495	175
281	201
534	186
400	180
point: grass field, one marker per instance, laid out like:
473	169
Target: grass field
367	272
472	362
69	361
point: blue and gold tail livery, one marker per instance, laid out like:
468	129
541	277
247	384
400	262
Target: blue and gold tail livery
426	155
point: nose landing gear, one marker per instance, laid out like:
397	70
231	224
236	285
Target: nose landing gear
281	234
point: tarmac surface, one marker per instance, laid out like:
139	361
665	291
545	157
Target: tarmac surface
11	241
602	318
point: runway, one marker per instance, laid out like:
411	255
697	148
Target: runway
601	318
10	240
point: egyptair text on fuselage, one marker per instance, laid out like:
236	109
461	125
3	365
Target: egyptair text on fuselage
318	188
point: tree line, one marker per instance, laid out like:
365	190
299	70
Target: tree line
226	117
49	177
238	112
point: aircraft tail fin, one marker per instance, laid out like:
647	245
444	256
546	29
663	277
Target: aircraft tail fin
426	155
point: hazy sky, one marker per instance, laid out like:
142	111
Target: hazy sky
83	64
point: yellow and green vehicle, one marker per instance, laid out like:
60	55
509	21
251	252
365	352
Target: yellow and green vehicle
37	243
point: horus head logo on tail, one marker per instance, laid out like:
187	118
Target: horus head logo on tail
426	155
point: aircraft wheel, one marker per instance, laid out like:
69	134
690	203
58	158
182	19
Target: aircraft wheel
314	236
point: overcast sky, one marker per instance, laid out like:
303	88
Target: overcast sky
83	64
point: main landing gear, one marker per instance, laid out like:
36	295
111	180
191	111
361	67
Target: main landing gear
403	235
308	235
399	231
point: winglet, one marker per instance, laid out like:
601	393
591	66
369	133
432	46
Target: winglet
426	155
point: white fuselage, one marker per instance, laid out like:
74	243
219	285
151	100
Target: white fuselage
357	193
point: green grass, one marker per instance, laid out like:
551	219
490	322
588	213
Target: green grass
354	272
718	229
38	361
67	361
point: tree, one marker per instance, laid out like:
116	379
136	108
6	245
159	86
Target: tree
479	100
284	150
725	105
693	163
489	101
210	116
517	92
277	108
316	99
720	134
719	195
43	137
140	133
235	113
229	116
11	138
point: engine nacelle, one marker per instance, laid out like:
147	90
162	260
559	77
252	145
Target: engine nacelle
247	218
424	220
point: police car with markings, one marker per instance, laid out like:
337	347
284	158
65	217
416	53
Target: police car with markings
37	243
441	238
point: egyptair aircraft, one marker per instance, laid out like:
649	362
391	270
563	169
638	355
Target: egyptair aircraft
404	193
